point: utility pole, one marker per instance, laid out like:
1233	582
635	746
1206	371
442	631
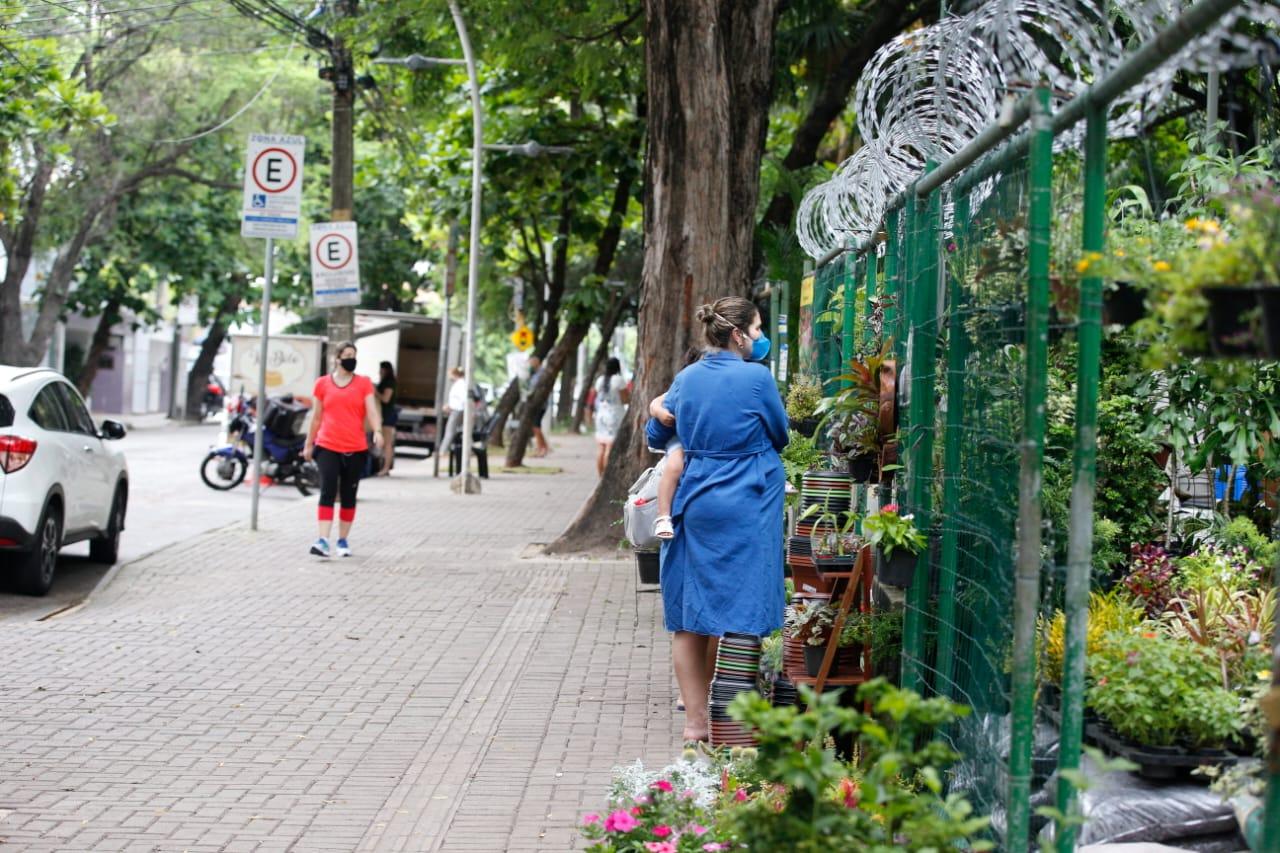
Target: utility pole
341	167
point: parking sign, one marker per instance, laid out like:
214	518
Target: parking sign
335	264
272	186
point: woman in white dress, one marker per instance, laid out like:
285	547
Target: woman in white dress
611	403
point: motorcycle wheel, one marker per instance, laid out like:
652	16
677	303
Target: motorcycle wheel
307	478
223	472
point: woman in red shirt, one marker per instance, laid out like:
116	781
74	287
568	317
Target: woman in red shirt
336	440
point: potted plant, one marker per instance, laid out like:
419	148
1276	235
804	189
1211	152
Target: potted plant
803	398
810	623
897	542
1221	291
833	540
852	415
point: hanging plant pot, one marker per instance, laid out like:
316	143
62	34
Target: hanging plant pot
813	656
649	566
864	468
805	426
1234	322
898	570
1123	305
1269	297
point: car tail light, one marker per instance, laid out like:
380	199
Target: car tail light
15	452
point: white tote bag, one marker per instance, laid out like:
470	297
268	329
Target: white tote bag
641	509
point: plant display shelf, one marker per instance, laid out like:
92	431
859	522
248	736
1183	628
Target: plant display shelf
852	589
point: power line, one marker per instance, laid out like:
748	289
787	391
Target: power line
240	111
135	26
101	13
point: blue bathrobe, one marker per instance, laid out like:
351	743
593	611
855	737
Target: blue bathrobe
722	572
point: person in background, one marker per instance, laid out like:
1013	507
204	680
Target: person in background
541	448
611	402
722	571
344	401
661	433
387	397
454	407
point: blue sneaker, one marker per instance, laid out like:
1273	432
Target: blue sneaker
320	547
344	550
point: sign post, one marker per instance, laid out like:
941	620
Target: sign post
271	208
335	265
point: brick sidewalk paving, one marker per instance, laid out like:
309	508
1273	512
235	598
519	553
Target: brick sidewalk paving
441	690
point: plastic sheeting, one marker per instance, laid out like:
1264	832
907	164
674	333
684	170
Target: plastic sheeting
1124	807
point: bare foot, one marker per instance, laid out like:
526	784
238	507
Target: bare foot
691	734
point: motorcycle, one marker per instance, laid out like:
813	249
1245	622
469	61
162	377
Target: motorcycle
214	393
225	467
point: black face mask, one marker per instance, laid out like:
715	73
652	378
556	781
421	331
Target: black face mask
348	364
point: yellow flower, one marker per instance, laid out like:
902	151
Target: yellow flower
1161	266
1193	224
1119	253
1210	226
1264	675
1082	265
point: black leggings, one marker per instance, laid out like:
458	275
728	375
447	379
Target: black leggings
339	475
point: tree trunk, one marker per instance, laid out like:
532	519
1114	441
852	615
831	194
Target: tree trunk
568	381
19	247
506	405
198	378
607	326
100	344
709	72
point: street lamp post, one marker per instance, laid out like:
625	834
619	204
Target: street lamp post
417	62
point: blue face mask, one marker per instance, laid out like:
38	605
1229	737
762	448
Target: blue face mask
759	348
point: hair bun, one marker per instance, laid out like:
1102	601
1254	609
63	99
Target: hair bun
705	314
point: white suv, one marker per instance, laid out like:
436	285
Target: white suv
61	481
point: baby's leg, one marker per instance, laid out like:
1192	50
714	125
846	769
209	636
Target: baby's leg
670	480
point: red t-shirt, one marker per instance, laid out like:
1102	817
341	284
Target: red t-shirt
342	422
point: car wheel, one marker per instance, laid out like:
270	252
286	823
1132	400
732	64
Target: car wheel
36	567
107	548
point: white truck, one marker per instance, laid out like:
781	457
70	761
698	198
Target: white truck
412	343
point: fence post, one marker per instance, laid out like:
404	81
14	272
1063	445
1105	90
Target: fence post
919	444
888	318
1026	601
850	306
957	355
1084	475
869	296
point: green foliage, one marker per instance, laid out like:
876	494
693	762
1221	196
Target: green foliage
851	415
803	398
1159	691
43	110
889	531
801	454
1240	532
896	804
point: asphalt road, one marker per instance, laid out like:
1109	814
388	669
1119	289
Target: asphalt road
168	503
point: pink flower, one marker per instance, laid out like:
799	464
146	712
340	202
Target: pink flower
849	791
635	811
620	821
889	508
661	831
660	847
714	847
662	785
643	800
588	819
740	795
696	829
688	793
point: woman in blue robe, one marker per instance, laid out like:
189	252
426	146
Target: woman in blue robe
722	571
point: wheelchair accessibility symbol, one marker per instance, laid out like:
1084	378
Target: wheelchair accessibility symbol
259	200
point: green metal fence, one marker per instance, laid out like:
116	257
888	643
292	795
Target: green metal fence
961	279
